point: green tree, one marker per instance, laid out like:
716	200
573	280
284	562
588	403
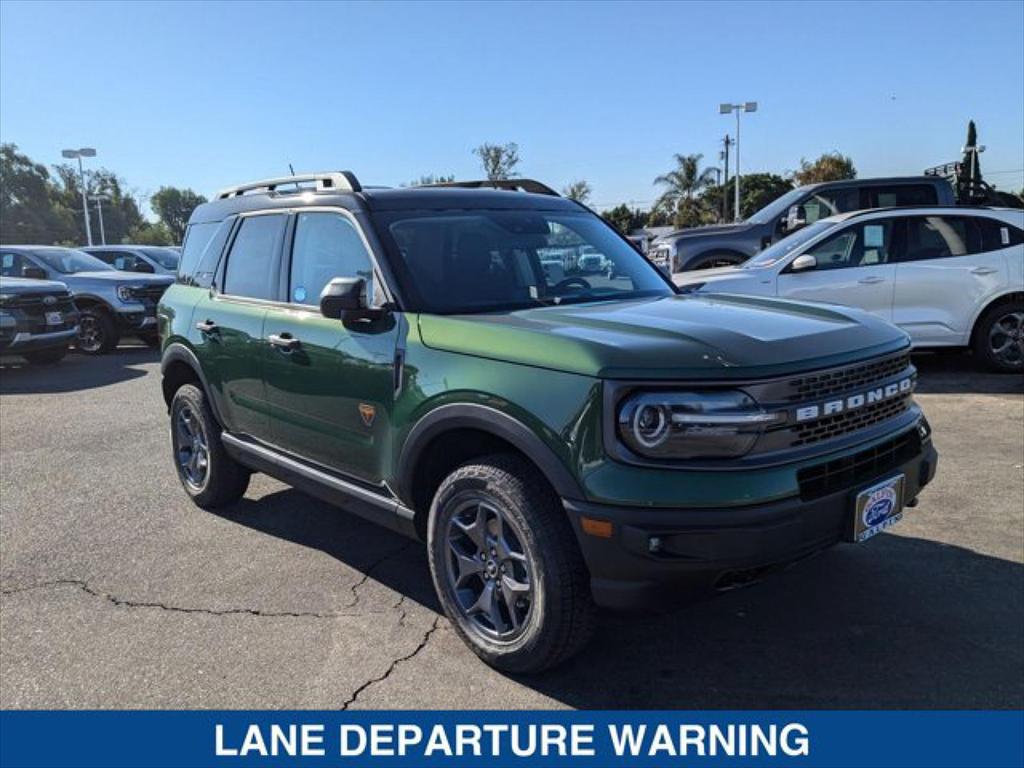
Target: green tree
174	206
831	166
682	188
30	206
625	219
120	208
499	161
578	191
149	233
756	191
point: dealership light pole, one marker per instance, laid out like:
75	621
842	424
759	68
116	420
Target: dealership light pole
98	199
725	109
71	154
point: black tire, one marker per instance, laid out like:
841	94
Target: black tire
712	260
560	616
997	337
97	332
225	480
46	356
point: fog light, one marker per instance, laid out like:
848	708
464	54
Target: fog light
654	544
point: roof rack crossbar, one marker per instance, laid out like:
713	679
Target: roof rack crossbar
515	185
327	181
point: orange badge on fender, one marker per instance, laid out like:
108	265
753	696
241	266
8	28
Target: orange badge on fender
368	412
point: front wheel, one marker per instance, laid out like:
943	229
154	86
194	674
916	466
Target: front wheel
97	333
209	475
999	338
506	566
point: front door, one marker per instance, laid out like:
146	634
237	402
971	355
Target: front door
853	269
330	384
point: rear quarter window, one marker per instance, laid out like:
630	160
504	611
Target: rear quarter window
201	252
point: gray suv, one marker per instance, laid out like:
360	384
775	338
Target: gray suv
147	259
112	303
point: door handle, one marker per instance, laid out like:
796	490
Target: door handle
871	280
207	326
983	270
284	342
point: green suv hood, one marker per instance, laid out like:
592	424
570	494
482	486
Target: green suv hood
715	336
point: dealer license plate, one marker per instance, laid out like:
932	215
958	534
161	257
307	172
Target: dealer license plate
54	318
877	508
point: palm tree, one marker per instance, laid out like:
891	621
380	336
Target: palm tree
682	186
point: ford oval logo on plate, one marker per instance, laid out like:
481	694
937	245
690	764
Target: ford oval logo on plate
877	508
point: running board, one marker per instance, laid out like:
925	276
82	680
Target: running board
371	506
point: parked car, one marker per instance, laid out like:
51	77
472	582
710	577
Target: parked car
38	318
148	259
949	277
111	303
728	244
590	260
557	445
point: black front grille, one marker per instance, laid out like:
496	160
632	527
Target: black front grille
36	302
850	421
850	471
820	385
151	293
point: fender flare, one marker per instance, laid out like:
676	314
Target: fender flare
687	265
486	419
985	306
176	352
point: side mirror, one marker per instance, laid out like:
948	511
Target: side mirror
34	273
796	217
343	295
803	263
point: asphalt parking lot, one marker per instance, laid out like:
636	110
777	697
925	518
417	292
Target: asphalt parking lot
117	592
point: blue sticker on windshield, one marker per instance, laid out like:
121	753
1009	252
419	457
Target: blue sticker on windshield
299	294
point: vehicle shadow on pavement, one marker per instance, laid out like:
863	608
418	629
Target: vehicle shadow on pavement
75	372
949	372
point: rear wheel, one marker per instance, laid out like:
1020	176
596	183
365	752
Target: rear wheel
507	567
999	337
97	333
209	475
46	356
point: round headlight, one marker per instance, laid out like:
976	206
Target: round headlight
650	425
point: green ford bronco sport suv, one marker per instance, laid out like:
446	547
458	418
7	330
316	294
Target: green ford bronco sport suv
559	440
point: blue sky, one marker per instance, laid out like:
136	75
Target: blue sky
206	94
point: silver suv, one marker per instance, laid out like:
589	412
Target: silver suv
112	303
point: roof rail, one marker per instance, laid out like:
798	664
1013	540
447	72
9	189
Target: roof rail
515	185
325	181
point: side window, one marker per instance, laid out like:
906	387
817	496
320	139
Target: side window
862	245
901	194
829	202
126	262
13	264
197	237
941	237
107	257
326	245
252	263
996	235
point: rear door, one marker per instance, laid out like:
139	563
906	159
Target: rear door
944	274
854	269
228	322
330	383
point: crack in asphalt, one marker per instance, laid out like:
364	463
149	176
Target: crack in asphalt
354	589
126	603
394	664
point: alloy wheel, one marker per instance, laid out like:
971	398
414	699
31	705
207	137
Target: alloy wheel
1006	339
489	571
90	334
190	448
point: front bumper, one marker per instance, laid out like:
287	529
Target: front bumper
652	552
137	317
23	341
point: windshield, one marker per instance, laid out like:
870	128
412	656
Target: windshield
68	261
775	253
777	207
483	260
165	257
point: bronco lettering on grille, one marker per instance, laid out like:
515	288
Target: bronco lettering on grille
852	402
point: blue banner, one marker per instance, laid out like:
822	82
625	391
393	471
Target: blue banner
174	739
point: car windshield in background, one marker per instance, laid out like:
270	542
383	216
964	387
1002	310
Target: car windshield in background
479	261
68	261
165	257
777	208
775	253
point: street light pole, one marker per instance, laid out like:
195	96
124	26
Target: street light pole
99	209
725	109
79	154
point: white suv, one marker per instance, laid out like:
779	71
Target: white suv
949	277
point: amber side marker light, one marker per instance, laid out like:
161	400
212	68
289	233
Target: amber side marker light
600	528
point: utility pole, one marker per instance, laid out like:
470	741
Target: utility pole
99	209
725	109
80	153
724	156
